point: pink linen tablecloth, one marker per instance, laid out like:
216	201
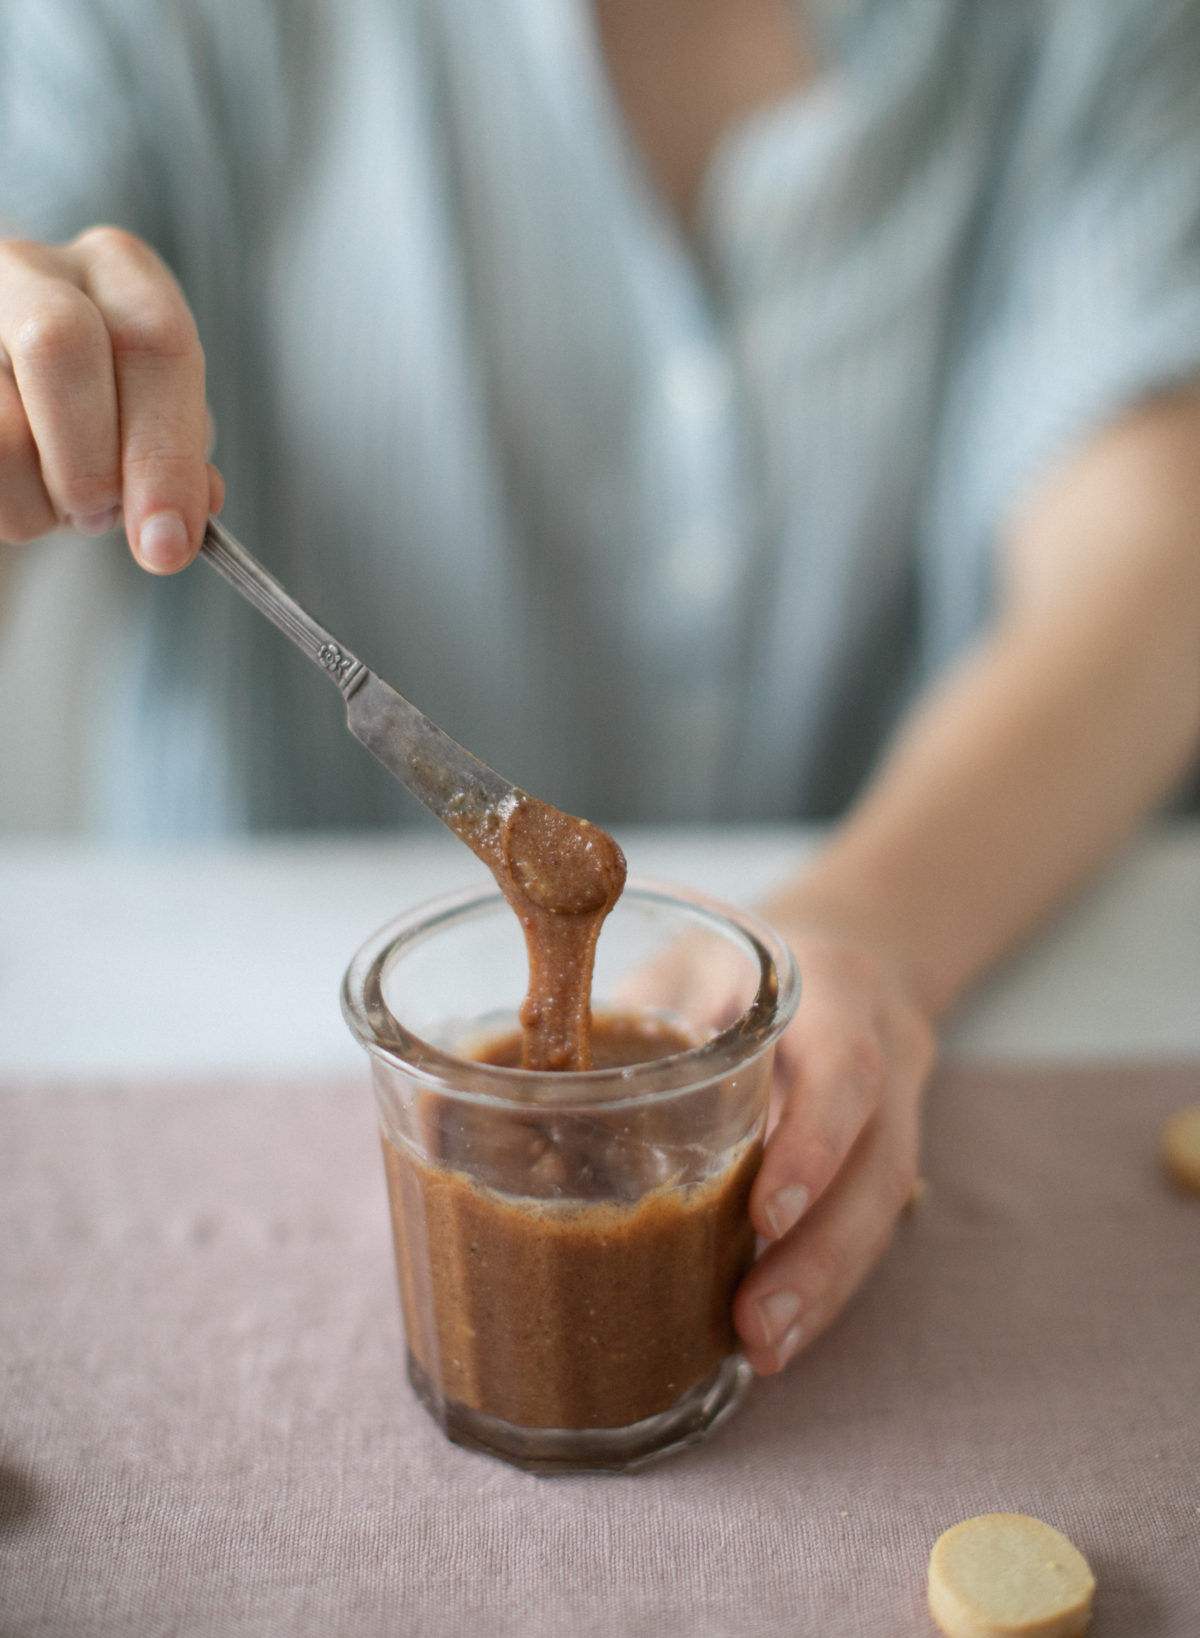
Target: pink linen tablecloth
205	1426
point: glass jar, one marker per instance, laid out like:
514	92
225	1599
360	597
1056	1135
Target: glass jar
568	1245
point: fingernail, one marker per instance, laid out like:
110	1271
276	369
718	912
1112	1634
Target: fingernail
776	1312
790	1343
785	1208
96	523
163	542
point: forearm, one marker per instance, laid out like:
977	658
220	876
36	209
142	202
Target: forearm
1012	780
1073	718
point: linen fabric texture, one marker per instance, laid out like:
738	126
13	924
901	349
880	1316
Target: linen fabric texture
206	1427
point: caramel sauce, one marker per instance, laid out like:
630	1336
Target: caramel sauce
571	1312
569	1268
561	876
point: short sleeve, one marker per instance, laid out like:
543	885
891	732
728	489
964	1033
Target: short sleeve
1084	293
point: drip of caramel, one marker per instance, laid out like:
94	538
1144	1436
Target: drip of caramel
561	876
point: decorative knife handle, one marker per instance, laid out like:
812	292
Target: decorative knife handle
243	571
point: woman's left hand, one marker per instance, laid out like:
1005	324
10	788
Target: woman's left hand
840	1162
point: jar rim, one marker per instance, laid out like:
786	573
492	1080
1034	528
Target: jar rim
389	1042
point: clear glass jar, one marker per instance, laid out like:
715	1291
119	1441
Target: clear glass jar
568	1245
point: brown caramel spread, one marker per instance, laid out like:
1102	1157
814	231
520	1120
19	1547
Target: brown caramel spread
564	1268
570	1313
562	876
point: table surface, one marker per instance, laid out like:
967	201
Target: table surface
206	1432
228	960
205	1427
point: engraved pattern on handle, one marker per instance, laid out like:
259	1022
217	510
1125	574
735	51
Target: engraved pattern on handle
243	571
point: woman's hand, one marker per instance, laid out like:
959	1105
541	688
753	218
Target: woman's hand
102	407
841	1154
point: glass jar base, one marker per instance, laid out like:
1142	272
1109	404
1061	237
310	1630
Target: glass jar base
694	1416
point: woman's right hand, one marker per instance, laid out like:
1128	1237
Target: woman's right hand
102	407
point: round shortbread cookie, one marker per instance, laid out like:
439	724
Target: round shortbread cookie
1181	1147
1004	1575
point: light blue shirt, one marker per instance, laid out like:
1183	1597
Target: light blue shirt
660	529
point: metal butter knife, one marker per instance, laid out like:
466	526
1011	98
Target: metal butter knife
452	784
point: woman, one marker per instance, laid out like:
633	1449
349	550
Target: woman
705	408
